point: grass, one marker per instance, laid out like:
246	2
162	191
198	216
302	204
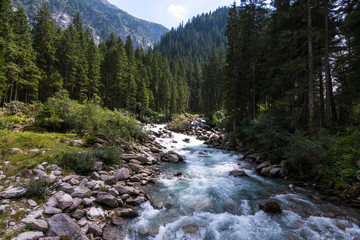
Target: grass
52	143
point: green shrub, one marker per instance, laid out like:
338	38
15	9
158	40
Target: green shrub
37	189
110	155
179	124
89	119
9	122
79	162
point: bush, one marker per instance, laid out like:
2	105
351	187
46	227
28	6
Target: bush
79	162
88	119
267	134
179	124
9	122
37	189
110	155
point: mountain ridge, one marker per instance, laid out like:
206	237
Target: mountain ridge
101	17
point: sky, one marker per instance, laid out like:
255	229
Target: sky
169	13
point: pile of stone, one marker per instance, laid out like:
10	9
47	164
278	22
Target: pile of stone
83	207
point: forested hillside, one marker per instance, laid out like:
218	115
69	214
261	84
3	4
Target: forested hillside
290	87
196	37
100	17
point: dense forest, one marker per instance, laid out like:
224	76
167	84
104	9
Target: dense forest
196	38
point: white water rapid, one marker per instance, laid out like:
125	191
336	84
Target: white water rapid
207	203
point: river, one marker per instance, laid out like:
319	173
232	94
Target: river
207	203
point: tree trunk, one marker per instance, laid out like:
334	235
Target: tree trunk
322	105
311	70
327	68
253	92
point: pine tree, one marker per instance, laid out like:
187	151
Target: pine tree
44	44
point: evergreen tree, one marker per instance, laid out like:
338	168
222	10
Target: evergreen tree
44	44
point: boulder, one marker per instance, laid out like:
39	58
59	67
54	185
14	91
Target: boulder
187	140
127	213
238	173
29	236
266	170
51	210
122	174
67	187
135	167
263	165
95	229
14	150
275	171
77	214
284	171
35	224
65	201
112	233
106	199
173	158
74	205
111	180
95	176
97	166
81	192
96	214
270	207
13	192
62	224
126	190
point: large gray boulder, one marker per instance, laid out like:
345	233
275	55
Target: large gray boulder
62	224
13	192
81	192
122	174
126	190
35	224
65	201
106	199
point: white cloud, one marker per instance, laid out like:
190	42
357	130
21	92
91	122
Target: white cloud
177	11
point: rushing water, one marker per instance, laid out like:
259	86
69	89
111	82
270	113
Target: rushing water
207	203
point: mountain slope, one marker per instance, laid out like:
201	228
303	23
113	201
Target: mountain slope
101	18
197	37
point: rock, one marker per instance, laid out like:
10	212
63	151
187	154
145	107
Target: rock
126	190
65	201
190	229
266	170
135	167
111	180
178	174
67	187
2	209
61	224
95	176
32	203
238	173
50	238
39	173
13	150
275	171
51	210
74	205
142	159
29	236
154	150
173	158
13	192
87	201
117	221
270	207
35	224
284	165
187	140
81	192
112	233
95	229
106	199
34	150
263	165
96	214
77	214
127	213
